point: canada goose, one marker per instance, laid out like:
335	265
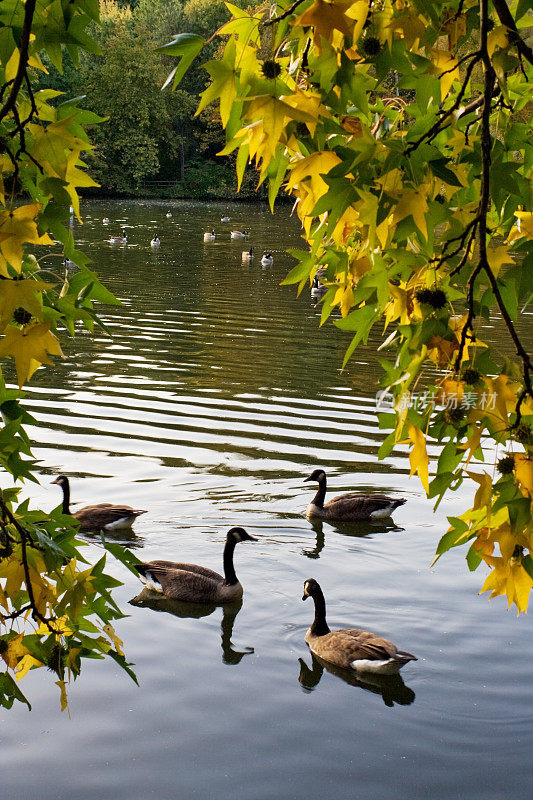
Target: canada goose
225	219
119	239
351	506
239	234
193	583
69	264
318	289
102	516
209	236
105	221
267	260
155	243
169	214
247	255
350	648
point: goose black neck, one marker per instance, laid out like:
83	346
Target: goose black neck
319	626
66	497
229	569
321	494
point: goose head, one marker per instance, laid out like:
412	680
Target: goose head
239	535
311	588
61	480
317	475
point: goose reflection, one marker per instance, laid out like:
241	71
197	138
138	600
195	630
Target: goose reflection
157	602
357	530
391	687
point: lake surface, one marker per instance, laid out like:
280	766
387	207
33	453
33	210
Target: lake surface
215	398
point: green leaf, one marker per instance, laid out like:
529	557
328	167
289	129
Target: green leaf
9	692
186	46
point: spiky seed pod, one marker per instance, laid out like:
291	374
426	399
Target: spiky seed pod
55	660
454	416
440	198
371	46
505	465
21	316
270	69
435	298
471	376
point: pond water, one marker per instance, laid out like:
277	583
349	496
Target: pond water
215	398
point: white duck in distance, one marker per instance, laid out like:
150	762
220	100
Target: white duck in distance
350	648
239	234
225	219
350	507
155	243
122	239
209	236
101	516
195	584
267	260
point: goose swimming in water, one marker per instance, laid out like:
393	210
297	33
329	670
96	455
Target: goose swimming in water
209	236
119	239
267	260
193	583
105	221
239	234
350	507
350	648
102	516
225	219
248	255
155	243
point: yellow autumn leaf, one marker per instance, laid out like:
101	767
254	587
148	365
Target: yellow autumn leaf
498	37
446	69
18	227
25	664
523	470
523	227
15	651
497	257
455	28
310	171
60	626
63	696
326	18
20	294
413	202
110	633
483	495
418	457
29	347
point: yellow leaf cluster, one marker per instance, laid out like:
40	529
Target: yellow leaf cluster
18	227
418	457
29	347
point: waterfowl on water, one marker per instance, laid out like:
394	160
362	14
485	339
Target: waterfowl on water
318	289
239	234
350	648
105	221
169	214
247	255
119	239
267	260
225	219
351	506
155	243
193	583
102	516
209	236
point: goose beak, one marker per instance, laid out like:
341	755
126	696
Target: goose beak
251	539
308	479
305	596
56	480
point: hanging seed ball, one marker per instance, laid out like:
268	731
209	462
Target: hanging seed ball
435	298
471	376
21	316
490	24
454	416
440	198
524	434
270	69
55	659
371	46
505	465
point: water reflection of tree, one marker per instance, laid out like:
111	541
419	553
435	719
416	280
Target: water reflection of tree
391	687
149	599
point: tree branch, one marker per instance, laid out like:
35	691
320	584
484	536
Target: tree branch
507	19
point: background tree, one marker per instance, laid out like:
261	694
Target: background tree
401	131
56	609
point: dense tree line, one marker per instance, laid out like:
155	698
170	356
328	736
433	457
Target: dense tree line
150	142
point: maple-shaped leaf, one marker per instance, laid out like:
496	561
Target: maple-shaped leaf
29	347
223	86
418	457
413	202
326	18
310	171
18	227
20	294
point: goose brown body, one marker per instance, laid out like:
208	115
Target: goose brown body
351	506
101	516
350	648
193	583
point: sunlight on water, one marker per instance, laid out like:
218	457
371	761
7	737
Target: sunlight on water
216	396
